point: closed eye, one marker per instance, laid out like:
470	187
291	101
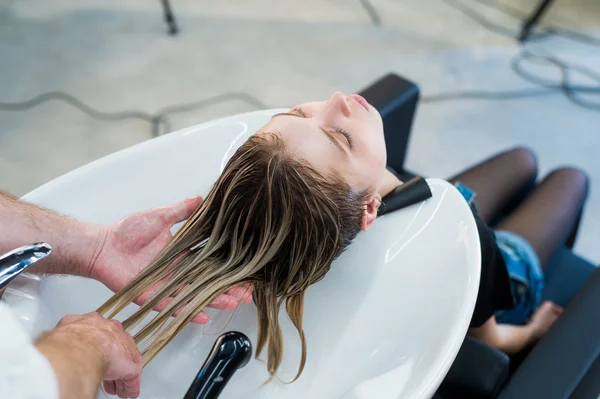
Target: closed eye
347	136
300	111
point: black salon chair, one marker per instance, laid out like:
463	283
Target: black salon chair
566	362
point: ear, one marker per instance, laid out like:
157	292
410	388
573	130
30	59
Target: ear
370	212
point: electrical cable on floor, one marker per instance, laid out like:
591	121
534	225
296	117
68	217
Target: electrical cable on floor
564	86
159	122
571	91
73	101
163	113
547	87
488	95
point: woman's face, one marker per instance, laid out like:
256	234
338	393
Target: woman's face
343	135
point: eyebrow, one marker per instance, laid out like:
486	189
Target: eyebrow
329	135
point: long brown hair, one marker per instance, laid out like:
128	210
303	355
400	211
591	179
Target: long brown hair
271	221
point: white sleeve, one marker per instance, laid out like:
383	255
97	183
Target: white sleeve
24	372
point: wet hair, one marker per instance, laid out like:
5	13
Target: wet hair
270	221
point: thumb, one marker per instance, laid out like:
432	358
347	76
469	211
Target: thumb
182	210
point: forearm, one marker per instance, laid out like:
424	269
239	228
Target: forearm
78	366
73	243
507	338
513	339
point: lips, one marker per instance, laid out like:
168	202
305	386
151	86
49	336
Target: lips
359	99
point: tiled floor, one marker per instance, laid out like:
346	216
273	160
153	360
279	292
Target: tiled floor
116	56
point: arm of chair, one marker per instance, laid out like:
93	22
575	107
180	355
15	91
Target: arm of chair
479	371
560	363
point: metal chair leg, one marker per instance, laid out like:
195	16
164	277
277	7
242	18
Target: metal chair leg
170	18
530	22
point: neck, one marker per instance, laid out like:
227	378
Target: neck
389	183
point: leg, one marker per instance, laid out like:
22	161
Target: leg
547	217
499	180
530	22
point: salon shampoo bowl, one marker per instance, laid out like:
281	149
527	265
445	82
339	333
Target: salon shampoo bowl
385	323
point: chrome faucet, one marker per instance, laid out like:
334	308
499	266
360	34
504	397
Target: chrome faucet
18	260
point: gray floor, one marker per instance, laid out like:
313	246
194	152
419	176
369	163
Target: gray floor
116	56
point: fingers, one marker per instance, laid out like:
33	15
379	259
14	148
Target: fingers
546	306
132	387
551	306
224	302
550	309
242	293
200	318
557	309
128	388
110	387
150	291
227	301
121	392
182	210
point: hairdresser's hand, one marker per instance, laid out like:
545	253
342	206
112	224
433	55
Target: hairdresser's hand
133	242
86	349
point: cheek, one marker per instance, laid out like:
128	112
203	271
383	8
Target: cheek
375	160
375	151
373	142
371	168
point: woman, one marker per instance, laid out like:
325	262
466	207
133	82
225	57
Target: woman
287	204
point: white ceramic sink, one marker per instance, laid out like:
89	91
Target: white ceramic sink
386	322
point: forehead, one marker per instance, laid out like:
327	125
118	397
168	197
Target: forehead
304	139
311	104
296	131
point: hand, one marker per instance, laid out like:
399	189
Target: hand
86	349
132	243
544	317
124	361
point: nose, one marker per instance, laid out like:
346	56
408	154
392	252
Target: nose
338	102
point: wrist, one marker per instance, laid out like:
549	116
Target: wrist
93	240
77	359
75	245
80	248
533	332
76	343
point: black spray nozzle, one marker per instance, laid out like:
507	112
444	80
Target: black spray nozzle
412	192
231	352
